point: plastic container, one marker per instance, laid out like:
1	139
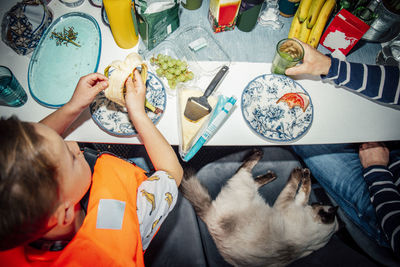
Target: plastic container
168	48
196	46
210	50
188	130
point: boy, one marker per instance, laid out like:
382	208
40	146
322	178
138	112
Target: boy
44	178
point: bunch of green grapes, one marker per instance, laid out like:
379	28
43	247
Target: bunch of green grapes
174	70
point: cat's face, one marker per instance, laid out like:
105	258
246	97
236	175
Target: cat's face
323	213
319	227
324	219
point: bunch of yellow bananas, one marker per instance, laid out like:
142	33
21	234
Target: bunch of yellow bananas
310	20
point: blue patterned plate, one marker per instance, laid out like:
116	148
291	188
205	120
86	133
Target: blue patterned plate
114	118
275	122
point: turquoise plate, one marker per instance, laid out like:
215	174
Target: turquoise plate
54	70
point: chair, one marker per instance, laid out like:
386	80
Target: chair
183	239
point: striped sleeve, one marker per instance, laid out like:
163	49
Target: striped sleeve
377	82
385	198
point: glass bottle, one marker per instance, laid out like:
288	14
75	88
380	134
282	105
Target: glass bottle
366	12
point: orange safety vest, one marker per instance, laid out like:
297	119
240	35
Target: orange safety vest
109	235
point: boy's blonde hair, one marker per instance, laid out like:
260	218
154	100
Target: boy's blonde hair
28	185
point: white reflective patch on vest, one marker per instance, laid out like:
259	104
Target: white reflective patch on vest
110	214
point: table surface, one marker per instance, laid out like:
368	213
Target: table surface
340	116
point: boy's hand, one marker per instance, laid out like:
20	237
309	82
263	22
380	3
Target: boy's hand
87	89
373	154
135	95
314	62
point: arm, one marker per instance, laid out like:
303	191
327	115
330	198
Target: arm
86	90
380	83
162	156
385	197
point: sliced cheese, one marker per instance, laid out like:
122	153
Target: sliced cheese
190	129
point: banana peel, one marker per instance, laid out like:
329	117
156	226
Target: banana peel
315	8
304	32
295	27
316	31
122	70
304	8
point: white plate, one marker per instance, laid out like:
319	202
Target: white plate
54	71
114	118
275	122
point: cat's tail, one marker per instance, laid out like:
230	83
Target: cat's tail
197	195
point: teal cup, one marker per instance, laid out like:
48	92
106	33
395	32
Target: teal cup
11	92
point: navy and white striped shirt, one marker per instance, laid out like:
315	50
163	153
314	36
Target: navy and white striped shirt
377	82
384	187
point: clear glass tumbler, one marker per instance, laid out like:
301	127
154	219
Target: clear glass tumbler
11	92
288	53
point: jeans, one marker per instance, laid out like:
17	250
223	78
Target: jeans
338	169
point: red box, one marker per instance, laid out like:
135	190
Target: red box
343	32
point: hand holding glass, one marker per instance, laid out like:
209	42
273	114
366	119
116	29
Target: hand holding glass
289	52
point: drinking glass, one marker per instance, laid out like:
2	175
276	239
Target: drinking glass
11	92
288	53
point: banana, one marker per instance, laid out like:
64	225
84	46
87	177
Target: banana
150	198
304	32
153	178
169	198
116	91
304	7
153	226
295	26
319	26
313	13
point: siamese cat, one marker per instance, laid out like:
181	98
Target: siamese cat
249	232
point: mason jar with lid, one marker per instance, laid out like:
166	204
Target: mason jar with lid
288	8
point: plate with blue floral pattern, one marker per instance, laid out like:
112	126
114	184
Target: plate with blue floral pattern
114	118
269	119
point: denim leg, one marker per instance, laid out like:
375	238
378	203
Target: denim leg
339	171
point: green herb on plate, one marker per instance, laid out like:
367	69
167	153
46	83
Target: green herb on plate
65	37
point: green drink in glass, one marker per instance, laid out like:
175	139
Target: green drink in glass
289	52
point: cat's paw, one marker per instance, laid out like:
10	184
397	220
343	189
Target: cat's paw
297	174
265	178
252	159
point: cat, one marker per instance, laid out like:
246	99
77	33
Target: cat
249	232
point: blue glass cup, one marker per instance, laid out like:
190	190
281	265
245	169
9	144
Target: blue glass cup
11	92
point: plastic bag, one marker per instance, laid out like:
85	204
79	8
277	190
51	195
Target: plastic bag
157	19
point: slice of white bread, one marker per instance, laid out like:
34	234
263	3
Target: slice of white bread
189	129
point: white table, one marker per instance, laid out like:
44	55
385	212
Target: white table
340	116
